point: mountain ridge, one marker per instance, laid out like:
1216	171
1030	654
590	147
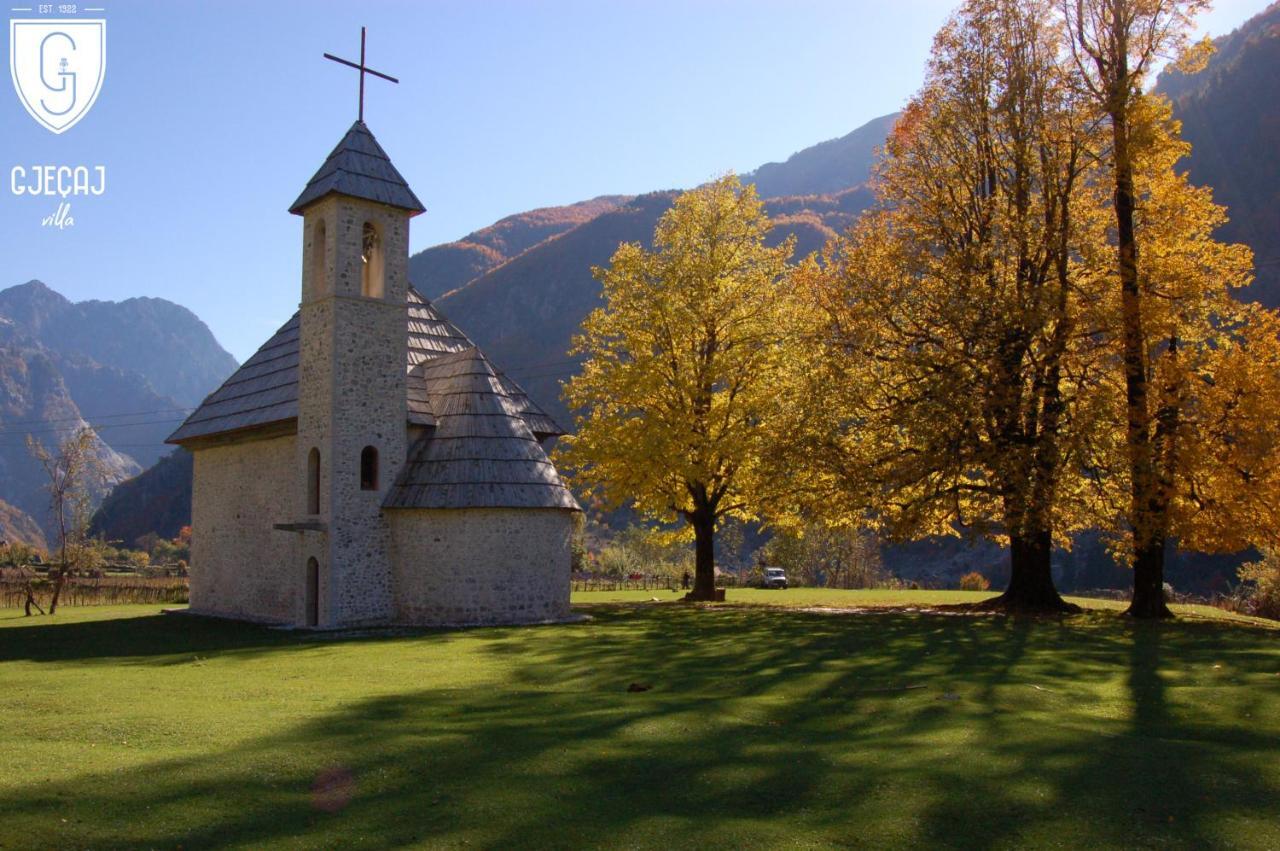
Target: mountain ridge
167	344
445	267
1229	115
825	168
101	365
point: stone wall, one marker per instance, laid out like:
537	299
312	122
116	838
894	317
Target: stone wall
481	565
352	395
240	566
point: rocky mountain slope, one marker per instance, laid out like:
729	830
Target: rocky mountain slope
121	407
158	500
19	527
442	268
128	370
35	401
525	312
1230	114
162	342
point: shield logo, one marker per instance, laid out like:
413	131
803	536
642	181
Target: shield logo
57	67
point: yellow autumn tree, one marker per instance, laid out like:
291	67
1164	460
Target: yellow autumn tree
983	344
1210	363
1226	493
686	369
1115	45
959	319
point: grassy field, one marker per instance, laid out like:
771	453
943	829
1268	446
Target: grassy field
761	727
827	598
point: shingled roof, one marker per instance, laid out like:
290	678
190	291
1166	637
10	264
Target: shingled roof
482	453
359	167
263	392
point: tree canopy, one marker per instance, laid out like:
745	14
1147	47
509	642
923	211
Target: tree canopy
686	370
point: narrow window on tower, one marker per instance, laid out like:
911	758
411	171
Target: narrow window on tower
313	481
318	259
371	284
369	469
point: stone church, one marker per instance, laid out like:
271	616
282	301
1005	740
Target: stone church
368	465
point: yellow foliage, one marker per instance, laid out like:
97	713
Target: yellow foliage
974	324
960	348
682	397
1213	364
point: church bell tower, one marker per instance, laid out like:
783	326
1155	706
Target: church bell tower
352	409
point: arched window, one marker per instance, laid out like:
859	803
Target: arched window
313	481
318	259
313	592
368	469
371	283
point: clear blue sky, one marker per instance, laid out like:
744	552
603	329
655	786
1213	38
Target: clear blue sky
213	115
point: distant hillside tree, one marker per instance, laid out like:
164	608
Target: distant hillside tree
685	370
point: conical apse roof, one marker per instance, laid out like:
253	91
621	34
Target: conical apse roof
481	453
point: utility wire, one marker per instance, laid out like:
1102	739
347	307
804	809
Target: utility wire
86	417
96	427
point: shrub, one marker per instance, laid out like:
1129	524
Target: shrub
1262	592
974	581
618	561
15	554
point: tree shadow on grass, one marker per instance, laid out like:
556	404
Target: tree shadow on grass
1165	771
162	639
757	729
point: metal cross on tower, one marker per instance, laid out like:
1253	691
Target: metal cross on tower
363	69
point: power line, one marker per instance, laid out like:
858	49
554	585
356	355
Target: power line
87	417
96	427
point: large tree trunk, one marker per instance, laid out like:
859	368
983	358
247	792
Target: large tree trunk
703	521
1031	587
57	589
1148	586
1146	507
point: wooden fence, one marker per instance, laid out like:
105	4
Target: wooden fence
607	584
105	591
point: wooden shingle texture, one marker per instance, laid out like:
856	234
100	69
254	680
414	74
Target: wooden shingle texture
263	392
481	453
359	168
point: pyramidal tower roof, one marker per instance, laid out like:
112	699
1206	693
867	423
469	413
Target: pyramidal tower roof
359	168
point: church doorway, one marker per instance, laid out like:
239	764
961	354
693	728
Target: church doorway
313	592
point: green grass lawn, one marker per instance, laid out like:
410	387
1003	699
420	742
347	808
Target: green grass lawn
762	727
827	598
